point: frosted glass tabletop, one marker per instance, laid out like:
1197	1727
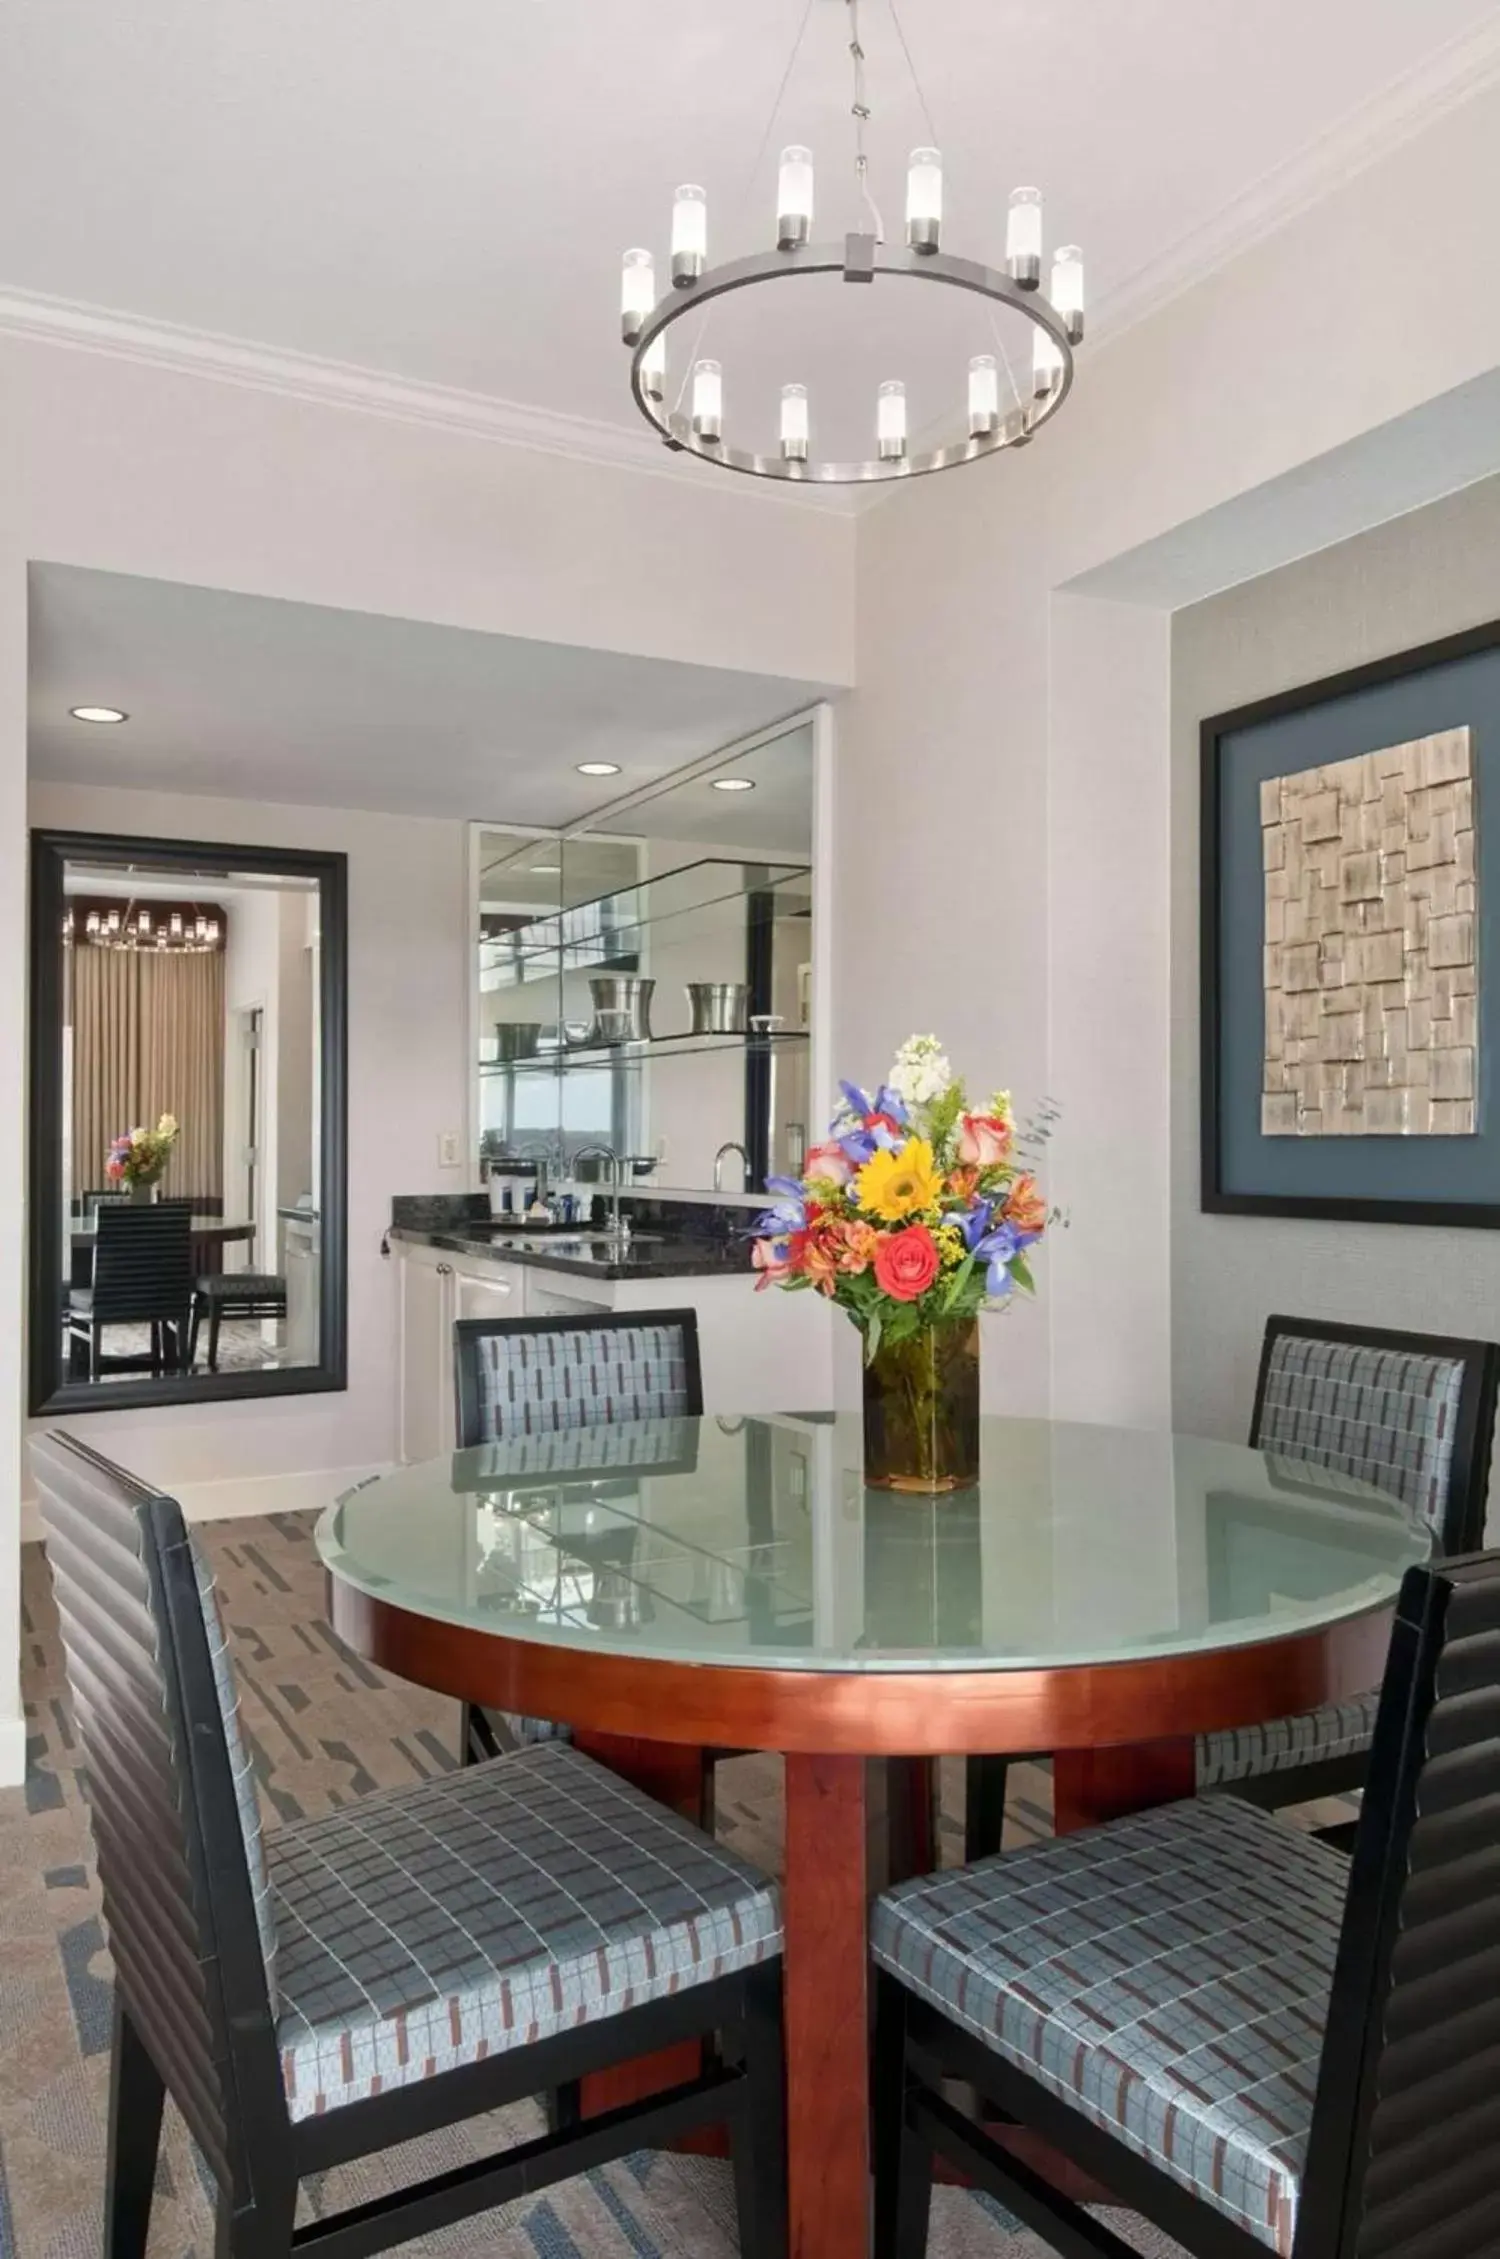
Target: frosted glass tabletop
756	1541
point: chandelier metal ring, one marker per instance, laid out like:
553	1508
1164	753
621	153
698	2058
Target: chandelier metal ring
860	259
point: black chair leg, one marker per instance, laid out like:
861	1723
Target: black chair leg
213	1337
984	1807
903	2159
758	2131
257	2231
136	2094
476	1737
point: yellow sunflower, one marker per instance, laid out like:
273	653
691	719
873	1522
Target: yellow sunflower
894	1186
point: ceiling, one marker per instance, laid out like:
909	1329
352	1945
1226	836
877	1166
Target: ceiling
442	192
243	695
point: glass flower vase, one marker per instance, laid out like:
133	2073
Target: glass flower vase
922	1410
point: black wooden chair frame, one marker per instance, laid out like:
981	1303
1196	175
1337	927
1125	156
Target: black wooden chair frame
477	1737
918	2049
263	2154
1463	1531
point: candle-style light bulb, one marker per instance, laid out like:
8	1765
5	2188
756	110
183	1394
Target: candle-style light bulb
637	292
143	920
689	235
924	200
890	421
1067	289
708	401
654	367
1046	365
984	396
794	423
176	925
1023	237
794	198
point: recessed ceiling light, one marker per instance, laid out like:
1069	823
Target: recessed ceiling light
98	714
598	768
546	870
734	784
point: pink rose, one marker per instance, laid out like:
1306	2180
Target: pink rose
906	1263
829	1164
983	1139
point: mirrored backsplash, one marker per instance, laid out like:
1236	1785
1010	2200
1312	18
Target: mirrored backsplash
643	986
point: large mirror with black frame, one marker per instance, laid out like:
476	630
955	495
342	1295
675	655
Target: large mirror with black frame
187	1163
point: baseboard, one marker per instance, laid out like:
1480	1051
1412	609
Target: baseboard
12	1752
226	1501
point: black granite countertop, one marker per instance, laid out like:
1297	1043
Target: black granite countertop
654	1255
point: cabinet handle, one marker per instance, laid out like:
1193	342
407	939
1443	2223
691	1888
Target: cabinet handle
445	1270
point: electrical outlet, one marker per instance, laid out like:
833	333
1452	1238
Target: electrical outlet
448	1149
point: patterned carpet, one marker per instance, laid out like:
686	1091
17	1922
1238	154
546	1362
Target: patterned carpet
324	1729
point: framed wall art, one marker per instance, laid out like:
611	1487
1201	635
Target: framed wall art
1351	944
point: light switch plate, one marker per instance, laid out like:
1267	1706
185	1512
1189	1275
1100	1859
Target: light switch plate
448	1149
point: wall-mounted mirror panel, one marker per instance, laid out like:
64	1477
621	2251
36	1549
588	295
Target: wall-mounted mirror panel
645	982
187	1107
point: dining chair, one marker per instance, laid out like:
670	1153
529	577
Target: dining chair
1412	1413
245	1295
142	1276
1252	2042
419	1957
545	1387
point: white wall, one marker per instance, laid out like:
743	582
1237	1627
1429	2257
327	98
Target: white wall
408	966
1426	575
1004	789
125	466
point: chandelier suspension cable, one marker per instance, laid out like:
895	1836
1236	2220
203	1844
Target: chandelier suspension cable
859	110
917	87
701	332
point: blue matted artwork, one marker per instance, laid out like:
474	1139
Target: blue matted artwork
1407	1178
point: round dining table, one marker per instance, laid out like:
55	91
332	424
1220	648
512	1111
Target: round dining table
682	1586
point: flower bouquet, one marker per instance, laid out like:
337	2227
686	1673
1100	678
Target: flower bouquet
914	1215
138	1159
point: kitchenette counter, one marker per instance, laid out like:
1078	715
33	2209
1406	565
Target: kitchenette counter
584	1253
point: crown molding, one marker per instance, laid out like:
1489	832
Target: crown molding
1451	76
341	384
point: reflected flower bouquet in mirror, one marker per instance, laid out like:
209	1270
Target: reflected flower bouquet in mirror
138	1158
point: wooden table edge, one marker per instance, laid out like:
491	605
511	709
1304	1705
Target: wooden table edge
949	1712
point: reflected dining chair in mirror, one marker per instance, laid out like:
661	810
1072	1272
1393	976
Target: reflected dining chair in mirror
141	1291
188	1006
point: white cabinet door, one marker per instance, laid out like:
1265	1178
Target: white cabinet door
486	1293
426	1422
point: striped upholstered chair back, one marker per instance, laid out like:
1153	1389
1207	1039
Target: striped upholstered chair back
1412	1413
182	1873
542	1378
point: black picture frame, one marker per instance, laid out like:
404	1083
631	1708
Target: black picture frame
1214	1197
49	1389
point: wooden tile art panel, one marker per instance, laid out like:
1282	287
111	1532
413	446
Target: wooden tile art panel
1371	945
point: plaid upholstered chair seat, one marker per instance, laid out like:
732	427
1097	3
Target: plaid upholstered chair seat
1373	1413
1168	1976
423	1929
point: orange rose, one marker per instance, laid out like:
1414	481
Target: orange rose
906	1263
1025	1207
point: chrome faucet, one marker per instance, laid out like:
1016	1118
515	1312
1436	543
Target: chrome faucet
619	1226
731	1145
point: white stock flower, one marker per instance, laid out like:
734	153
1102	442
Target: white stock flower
921	1072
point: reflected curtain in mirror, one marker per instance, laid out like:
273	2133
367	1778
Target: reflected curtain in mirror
148	1039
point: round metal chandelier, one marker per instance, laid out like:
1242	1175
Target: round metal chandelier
1002	411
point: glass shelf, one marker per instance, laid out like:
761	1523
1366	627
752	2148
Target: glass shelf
640	1053
604	934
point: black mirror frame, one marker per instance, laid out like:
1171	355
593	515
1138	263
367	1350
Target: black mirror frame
49	1390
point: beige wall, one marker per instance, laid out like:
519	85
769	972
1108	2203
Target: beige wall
1425	575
